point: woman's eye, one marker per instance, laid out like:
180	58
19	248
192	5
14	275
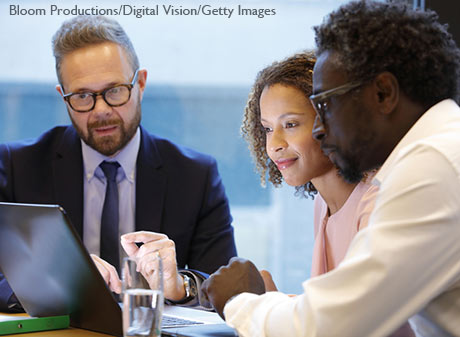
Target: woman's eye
267	130
290	125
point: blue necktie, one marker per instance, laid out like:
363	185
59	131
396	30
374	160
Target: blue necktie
109	220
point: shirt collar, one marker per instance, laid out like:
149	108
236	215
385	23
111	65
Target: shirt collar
126	158
430	120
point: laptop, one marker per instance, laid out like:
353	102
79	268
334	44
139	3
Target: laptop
182	321
52	274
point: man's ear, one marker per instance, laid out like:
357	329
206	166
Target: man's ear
142	80
387	92
59	90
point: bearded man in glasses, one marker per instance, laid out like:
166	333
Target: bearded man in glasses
115	179
386	91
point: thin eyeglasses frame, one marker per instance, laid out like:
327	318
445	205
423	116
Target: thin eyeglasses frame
318	99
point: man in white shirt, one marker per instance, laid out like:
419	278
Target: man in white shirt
385	85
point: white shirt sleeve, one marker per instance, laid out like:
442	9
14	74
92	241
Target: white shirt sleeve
401	263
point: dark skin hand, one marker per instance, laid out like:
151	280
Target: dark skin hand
237	277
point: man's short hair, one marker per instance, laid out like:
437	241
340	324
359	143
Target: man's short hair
370	37
83	31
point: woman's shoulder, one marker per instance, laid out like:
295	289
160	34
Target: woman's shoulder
319	211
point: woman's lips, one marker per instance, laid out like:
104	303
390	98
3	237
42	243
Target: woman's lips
285	163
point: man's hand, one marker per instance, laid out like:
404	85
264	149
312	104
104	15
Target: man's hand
268	281
238	276
145	254
109	273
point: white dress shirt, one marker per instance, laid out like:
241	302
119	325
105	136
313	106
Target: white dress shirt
94	182
405	263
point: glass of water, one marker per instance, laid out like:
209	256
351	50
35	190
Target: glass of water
142	297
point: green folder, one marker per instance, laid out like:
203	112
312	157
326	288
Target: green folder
19	324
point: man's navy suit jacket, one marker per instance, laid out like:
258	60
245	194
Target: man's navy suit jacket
178	192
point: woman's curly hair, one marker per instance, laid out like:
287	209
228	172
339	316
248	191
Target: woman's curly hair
370	37
296	71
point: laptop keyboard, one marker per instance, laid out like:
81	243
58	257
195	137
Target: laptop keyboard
171	321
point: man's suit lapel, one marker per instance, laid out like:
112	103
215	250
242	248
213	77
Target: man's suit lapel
150	185
68	177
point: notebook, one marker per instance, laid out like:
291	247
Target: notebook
52	274
20	324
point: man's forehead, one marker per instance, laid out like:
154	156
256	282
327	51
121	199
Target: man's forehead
328	72
97	65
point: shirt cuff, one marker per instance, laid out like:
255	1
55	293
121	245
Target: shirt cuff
249	313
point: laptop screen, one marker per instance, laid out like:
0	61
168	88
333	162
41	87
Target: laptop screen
50	271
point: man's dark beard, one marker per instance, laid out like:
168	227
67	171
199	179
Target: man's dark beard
107	145
349	168
351	174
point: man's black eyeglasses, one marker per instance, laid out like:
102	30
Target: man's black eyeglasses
113	96
320	101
